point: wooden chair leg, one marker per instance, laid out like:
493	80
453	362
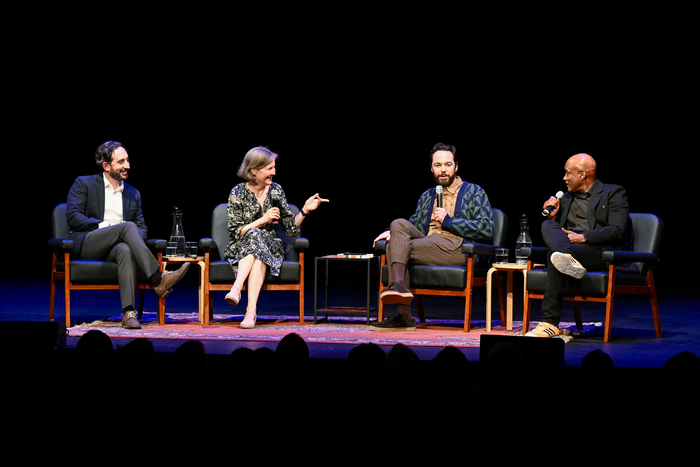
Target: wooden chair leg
301	287
380	305
468	310
142	296
577	316
469	289
654	303
501	297
419	308
527	306
301	305
52	298
205	302
67	306
608	321
609	302
66	285
161	311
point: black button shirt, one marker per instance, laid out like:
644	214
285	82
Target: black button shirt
577	220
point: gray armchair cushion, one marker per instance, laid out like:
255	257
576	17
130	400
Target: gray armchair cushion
82	270
645	232
221	272
593	282
422	276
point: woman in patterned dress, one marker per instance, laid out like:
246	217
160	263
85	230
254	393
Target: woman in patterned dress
254	245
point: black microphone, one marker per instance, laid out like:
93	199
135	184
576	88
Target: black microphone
438	192
275	197
546	210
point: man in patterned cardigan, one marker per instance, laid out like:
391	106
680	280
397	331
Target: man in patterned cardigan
433	235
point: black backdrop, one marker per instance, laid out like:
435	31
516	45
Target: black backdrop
369	159
355	127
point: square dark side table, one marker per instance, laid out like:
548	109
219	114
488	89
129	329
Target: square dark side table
345	258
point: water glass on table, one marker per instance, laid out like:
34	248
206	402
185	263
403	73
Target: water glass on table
191	249
501	256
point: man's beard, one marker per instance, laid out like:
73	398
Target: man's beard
118	175
446	183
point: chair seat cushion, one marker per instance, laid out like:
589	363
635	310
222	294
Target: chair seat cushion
221	272
82	270
594	282
423	276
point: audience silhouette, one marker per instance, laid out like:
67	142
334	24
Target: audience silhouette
265	379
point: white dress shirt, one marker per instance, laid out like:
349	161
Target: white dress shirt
114	207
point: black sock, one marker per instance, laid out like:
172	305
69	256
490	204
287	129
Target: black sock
156	278
398	271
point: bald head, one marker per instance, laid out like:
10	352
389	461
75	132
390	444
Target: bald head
580	172
584	162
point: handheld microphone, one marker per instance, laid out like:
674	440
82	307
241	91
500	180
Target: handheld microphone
438	194
275	197
546	210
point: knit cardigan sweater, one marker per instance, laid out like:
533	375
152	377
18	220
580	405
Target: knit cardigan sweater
472	220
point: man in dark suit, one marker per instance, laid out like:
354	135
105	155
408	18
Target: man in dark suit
106	221
591	218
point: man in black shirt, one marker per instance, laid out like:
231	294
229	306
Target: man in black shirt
591	218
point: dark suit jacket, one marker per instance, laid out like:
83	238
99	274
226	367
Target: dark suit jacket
86	206
608	215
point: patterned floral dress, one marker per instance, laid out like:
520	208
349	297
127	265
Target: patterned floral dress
261	242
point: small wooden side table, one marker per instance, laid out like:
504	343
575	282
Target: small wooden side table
199	261
509	268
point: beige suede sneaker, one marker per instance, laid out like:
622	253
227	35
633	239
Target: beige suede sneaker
544	330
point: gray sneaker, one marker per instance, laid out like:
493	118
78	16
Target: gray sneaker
567	264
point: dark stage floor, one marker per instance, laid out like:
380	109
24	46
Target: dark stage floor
634	344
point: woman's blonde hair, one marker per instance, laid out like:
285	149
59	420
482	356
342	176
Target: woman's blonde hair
257	158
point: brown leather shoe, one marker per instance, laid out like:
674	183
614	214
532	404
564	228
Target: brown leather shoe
129	320
169	279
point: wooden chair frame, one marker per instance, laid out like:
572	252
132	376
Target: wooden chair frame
645	232
466	292
225	287
64	276
62	247
609	299
207	244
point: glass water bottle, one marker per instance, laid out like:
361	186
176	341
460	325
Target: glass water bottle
523	241
176	245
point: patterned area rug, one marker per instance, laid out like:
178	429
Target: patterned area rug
341	330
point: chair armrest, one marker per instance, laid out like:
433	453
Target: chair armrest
206	243
617	257
535	253
380	247
156	244
301	243
479	249
64	244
